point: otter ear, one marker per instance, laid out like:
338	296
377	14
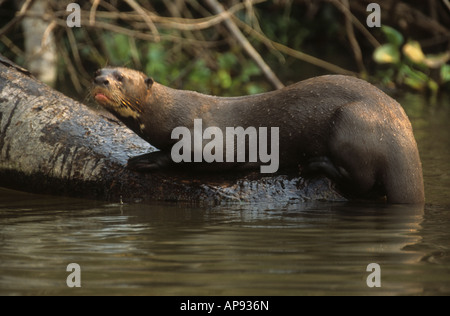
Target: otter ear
149	82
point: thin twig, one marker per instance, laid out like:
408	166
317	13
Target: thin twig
236	32
295	53
199	23
447	3
47	33
352	38
361	27
20	15
72	72
178	23
146	17
75	52
12	47
93	12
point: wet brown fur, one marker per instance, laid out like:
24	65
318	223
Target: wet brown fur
340	125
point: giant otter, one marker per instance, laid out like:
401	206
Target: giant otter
339	126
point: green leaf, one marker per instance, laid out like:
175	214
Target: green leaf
393	36
118	47
250	69
415	83
224	77
252	88
433	86
445	73
407	71
227	61
417	79
156	53
156	63
414	52
387	54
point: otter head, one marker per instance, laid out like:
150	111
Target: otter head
122	91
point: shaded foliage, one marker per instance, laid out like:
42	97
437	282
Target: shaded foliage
185	45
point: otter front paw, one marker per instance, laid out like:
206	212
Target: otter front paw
150	162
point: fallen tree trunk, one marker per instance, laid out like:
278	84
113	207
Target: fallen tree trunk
52	144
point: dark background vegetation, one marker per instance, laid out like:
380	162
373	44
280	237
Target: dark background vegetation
183	44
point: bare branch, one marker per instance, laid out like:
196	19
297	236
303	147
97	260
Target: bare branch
447	3
146	18
20	15
344	8
351	35
93	12
236	32
295	53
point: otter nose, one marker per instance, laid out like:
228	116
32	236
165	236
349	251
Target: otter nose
101	80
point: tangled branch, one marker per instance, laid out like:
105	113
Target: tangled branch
201	28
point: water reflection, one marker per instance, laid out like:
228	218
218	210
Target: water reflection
432	132
178	250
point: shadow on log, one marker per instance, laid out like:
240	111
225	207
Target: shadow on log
52	144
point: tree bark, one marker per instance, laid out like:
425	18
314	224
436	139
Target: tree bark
52	144
39	42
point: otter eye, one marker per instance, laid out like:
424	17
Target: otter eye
118	77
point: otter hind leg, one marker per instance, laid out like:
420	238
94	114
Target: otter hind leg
150	162
323	165
354	145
